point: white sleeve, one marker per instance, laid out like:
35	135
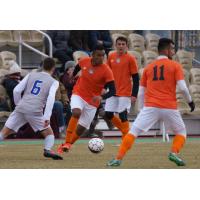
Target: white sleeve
184	90
17	92
50	100
141	97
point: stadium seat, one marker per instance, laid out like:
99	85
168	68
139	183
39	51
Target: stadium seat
6	57
5	38
138	57
114	36
195	76
124	32
152	42
26	37
136	42
79	54
181	102
149	56
185	58
36	39
3	73
195	92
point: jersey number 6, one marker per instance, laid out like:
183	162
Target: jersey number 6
155	73
36	88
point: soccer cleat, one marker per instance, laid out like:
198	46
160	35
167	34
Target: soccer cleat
174	158
114	163
52	154
64	148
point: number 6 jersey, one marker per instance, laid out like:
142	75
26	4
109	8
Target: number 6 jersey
159	79
36	88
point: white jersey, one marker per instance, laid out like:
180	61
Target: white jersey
38	90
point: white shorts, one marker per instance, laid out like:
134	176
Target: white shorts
118	104
148	116
16	120
87	111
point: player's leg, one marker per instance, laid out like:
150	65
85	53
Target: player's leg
37	122
124	106
13	124
49	139
77	105
124	123
111	106
172	119
85	120
144	121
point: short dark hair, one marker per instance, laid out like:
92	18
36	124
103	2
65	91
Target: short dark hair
98	47
164	43
48	64
122	38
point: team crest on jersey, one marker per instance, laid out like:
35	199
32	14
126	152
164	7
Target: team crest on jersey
118	60
91	71
84	68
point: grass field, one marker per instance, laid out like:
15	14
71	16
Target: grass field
147	154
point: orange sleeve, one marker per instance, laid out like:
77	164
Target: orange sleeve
179	75
81	62
143	81
133	65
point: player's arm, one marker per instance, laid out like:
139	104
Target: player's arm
111	90
50	100
17	92
76	70
141	97
135	78
184	90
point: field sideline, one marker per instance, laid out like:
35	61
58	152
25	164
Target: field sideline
148	153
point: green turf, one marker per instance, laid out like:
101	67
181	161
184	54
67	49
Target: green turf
85	141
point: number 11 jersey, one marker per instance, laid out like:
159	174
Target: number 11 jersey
160	78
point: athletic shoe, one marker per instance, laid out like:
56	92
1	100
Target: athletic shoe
114	163
64	148
52	154
174	158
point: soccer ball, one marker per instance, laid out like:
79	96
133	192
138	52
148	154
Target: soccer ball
96	145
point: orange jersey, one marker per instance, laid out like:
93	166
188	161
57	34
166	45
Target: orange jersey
160	78
92	80
123	67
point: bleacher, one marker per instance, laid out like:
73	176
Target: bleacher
144	48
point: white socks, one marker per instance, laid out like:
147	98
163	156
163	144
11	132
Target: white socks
1	137
49	142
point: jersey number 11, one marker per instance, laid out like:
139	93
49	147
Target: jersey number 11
155	73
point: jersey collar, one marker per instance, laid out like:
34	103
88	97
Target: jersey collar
162	57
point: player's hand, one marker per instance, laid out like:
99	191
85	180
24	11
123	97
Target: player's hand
133	99
96	99
192	106
46	123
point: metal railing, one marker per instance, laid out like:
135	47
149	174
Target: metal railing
22	43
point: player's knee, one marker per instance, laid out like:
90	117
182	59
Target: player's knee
123	116
109	115
76	113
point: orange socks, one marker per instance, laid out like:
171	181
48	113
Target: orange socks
122	126
70	129
178	143
127	143
117	122
74	137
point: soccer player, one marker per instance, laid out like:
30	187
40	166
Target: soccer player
125	71
87	94
158	92
38	89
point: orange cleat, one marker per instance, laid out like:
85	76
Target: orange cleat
64	148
